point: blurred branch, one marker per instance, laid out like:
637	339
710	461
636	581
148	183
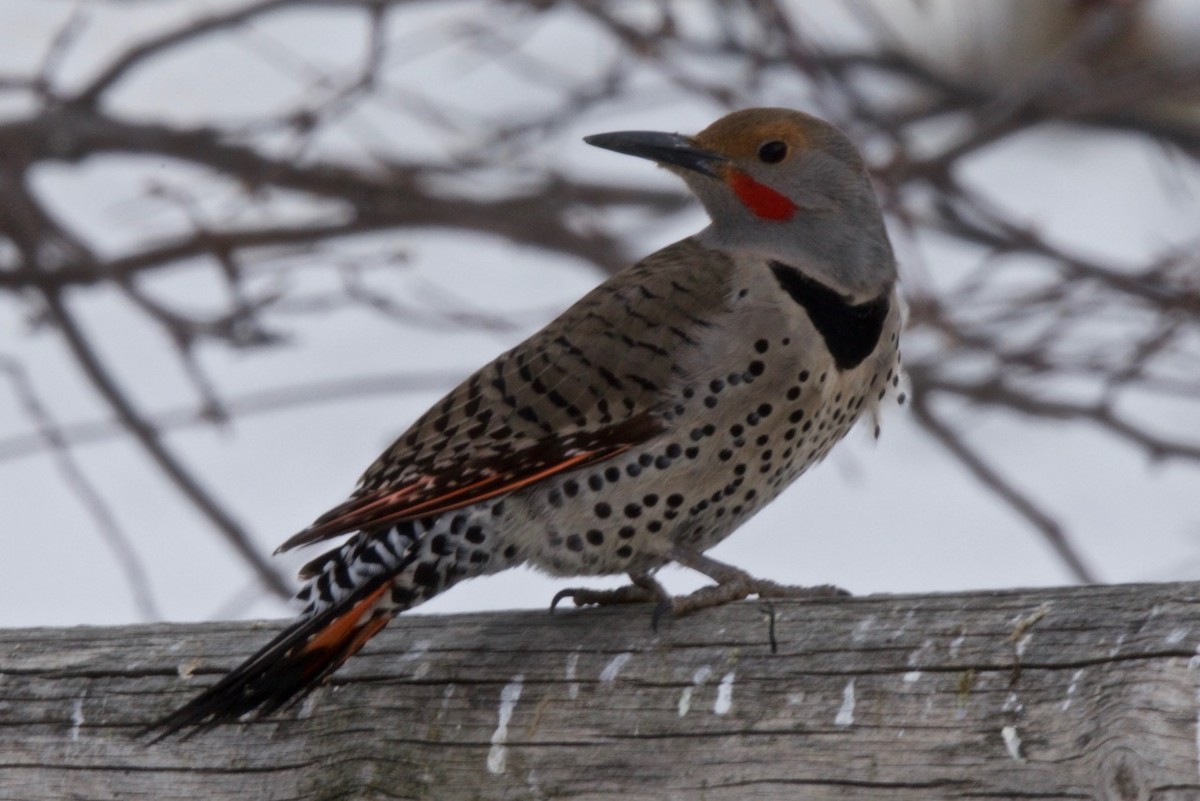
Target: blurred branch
53	439
994	392
1005	337
44	245
1042	522
236	406
391	198
150	440
138	54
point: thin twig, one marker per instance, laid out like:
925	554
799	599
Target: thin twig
53	439
1052	532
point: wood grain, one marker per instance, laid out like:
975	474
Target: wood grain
1087	692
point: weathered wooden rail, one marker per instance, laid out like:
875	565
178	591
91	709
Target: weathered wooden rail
1085	692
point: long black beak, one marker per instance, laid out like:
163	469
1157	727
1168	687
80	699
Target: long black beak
665	148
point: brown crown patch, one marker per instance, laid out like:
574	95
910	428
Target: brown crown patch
739	135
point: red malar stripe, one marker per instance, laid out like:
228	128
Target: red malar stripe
764	201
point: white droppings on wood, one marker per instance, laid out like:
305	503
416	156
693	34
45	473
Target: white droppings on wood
1177	636
1071	688
1025	621
698	678
921	655
862	628
685	701
1116	649
1194	662
609	674
498	754
572	666
904	626
447	694
418	651
307	706
1012	742
76	718
724	695
1022	633
845	714
1012	703
912	676
1198	732
957	643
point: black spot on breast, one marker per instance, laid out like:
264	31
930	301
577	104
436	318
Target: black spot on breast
851	331
426	574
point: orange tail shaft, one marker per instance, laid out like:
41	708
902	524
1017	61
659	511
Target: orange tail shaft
287	668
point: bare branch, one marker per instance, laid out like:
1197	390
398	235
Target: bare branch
151	442
1050	529
194	29
44	245
1018	316
51	435
249	404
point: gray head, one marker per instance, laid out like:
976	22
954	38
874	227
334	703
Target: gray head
784	185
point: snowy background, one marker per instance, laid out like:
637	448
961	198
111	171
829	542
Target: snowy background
897	515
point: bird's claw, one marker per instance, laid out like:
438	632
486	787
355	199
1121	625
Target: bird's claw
562	595
661	609
736	589
629	594
732	585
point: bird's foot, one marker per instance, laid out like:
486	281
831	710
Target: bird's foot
770	589
644	589
736	588
743	585
732	584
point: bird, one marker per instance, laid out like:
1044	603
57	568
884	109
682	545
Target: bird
639	428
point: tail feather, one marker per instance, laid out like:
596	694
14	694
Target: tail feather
352	592
288	668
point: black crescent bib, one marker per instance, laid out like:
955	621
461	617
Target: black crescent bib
850	331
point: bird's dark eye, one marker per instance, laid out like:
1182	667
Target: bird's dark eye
772	152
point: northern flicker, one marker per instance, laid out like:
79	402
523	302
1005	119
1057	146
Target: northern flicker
640	427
